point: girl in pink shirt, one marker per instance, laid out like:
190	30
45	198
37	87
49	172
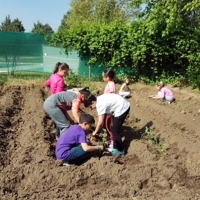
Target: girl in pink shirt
163	93
111	79
56	81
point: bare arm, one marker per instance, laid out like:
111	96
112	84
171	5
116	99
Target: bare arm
129	89
155	97
122	87
75	109
68	117
63	108
99	124
75	115
88	148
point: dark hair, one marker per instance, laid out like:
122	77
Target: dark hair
85	91
88	96
111	74
86	118
89	100
60	65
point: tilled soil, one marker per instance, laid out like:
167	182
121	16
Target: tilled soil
162	141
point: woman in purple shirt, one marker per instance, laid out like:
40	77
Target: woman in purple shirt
163	93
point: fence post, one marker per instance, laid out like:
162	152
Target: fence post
89	72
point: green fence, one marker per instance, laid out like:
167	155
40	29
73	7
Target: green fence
31	52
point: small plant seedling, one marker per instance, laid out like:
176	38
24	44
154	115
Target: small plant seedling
137	120
103	136
155	140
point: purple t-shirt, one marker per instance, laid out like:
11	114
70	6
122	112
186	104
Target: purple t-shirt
73	136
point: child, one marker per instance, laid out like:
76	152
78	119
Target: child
120	107
56	81
57	106
163	93
72	146
110	78
125	91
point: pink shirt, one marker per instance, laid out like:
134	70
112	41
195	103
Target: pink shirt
165	92
56	83
110	88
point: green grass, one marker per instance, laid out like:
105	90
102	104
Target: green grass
72	80
6	78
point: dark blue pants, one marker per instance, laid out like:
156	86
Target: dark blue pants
78	155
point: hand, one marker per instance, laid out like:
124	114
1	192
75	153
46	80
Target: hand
105	146
100	148
94	133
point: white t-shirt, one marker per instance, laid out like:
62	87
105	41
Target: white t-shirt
111	103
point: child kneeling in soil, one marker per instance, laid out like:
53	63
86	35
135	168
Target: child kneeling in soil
125	91
72	146
163	93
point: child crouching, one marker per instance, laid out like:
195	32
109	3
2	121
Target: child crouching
72	147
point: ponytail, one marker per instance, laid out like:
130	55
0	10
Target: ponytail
56	67
89	98
60	65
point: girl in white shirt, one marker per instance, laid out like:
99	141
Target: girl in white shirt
120	107
125	91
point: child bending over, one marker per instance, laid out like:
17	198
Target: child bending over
163	93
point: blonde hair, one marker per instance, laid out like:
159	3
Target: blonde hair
127	79
160	84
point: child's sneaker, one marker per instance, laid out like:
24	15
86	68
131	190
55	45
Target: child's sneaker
109	149
117	153
111	144
66	164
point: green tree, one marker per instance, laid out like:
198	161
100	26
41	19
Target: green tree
12	26
99	11
64	24
41	29
164	40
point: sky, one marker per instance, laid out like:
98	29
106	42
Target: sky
30	11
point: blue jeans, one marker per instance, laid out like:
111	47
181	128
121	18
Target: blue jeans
78	155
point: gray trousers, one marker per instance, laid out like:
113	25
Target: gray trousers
57	116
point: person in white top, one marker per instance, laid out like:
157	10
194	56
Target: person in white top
119	107
125	91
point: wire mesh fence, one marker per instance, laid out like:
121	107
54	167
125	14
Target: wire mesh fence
31	52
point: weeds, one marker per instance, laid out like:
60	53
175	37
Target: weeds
155	140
